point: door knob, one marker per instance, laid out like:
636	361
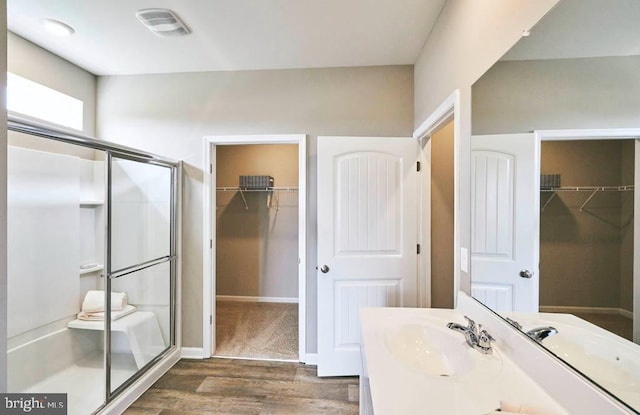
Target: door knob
525	273
324	269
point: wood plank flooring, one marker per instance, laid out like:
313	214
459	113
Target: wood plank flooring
229	386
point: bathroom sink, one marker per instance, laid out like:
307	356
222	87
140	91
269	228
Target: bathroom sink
606	359
602	356
438	351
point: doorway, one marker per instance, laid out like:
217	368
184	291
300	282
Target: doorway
442	224
255	224
440	278
586	231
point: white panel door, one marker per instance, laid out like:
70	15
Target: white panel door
504	241
367	235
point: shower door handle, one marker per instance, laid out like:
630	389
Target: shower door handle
525	273
324	269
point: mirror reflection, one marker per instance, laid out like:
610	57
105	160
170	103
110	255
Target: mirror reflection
553	239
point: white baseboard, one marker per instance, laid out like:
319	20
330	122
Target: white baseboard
252	299
192	353
626	313
593	310
310	359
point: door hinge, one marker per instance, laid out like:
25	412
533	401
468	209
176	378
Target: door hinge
210	319
210	243
210	168
418	249
417	166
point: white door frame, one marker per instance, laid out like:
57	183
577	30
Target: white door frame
449	108
209	231
601	134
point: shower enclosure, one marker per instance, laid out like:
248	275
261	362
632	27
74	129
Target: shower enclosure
92	272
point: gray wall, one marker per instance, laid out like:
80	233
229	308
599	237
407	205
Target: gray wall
467	39
32	62
170	114
257	244
521	96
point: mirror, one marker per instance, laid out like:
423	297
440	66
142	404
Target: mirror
553	241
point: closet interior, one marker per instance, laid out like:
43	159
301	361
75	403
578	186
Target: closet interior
586	231
257	251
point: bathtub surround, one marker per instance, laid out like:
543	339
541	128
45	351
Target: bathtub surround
43	217
67	192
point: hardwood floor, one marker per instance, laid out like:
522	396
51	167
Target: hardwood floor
227	386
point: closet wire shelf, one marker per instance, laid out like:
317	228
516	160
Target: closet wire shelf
269	190
593	189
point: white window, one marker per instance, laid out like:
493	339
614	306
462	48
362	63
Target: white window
38	101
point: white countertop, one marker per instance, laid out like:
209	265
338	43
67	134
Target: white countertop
399	389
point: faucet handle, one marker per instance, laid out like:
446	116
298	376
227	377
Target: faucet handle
484	341
471	325
514	323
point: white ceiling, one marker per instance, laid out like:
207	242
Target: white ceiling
583	29
231	34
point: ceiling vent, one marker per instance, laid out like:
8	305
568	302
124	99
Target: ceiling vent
162	22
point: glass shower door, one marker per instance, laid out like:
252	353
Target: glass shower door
140	265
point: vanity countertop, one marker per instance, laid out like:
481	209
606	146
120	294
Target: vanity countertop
471	384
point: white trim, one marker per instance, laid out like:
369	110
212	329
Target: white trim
192	353
450	107
424	223
259	359
603	134
253	299
311	359
635	314
133	392
587	134
625	313
209	236
592	310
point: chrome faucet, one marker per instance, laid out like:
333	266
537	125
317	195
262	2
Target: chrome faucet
540	333
475	336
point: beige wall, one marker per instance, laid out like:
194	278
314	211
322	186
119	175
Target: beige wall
442	220
32	62
170	114
257	245
583	253
468	38
522	96
3	198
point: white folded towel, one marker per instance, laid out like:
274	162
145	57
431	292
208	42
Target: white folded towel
99	315
94	301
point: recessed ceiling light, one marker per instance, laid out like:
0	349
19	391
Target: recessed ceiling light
162	22
57	28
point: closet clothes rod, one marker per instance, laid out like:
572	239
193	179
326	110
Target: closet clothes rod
266	189
593	189
270	195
